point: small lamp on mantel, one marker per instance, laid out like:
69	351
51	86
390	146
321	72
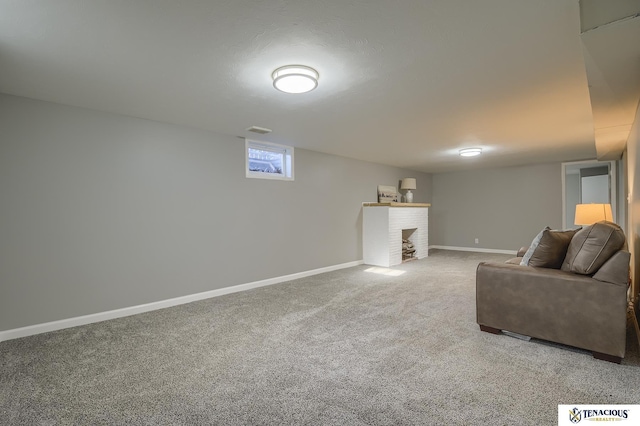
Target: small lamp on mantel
408	184
588	214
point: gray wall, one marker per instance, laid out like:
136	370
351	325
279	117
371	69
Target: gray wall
100	211
504	208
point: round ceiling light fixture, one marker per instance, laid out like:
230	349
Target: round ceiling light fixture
295	79
470	152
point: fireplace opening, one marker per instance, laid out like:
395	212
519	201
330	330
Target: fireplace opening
408	248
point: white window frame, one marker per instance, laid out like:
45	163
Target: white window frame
287	166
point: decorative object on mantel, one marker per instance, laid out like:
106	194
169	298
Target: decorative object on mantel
408	184
387	194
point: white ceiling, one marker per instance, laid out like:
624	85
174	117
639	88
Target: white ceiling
404	83
611	46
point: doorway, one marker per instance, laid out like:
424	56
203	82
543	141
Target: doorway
585	182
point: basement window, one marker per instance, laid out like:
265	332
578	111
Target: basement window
265	160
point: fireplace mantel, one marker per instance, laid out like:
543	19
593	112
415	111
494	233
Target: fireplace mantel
382	226
394	204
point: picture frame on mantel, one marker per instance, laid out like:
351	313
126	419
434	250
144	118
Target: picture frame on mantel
387	194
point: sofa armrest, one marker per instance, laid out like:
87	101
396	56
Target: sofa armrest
616	269
553	305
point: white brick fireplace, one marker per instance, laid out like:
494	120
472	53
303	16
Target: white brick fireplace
382	234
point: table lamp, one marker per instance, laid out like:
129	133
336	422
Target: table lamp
408	184
588	214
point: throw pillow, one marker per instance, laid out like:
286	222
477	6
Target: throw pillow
591	247
551	248
532	247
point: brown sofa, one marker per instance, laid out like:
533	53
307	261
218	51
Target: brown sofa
581	300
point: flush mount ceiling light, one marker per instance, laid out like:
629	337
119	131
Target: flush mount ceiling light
295	79
470	152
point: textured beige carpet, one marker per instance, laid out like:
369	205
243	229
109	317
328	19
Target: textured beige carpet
347	347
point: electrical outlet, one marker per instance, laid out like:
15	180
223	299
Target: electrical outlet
477	241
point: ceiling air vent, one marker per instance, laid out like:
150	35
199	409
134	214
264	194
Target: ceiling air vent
259	130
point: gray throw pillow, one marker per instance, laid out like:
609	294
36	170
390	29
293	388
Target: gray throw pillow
532	247
552	248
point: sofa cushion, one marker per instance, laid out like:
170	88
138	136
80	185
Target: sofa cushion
532	247
592	246
551	248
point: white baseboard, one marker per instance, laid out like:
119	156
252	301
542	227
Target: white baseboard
138	309
476	249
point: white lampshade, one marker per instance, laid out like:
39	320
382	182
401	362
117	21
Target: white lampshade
588	214
408	183
295	79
